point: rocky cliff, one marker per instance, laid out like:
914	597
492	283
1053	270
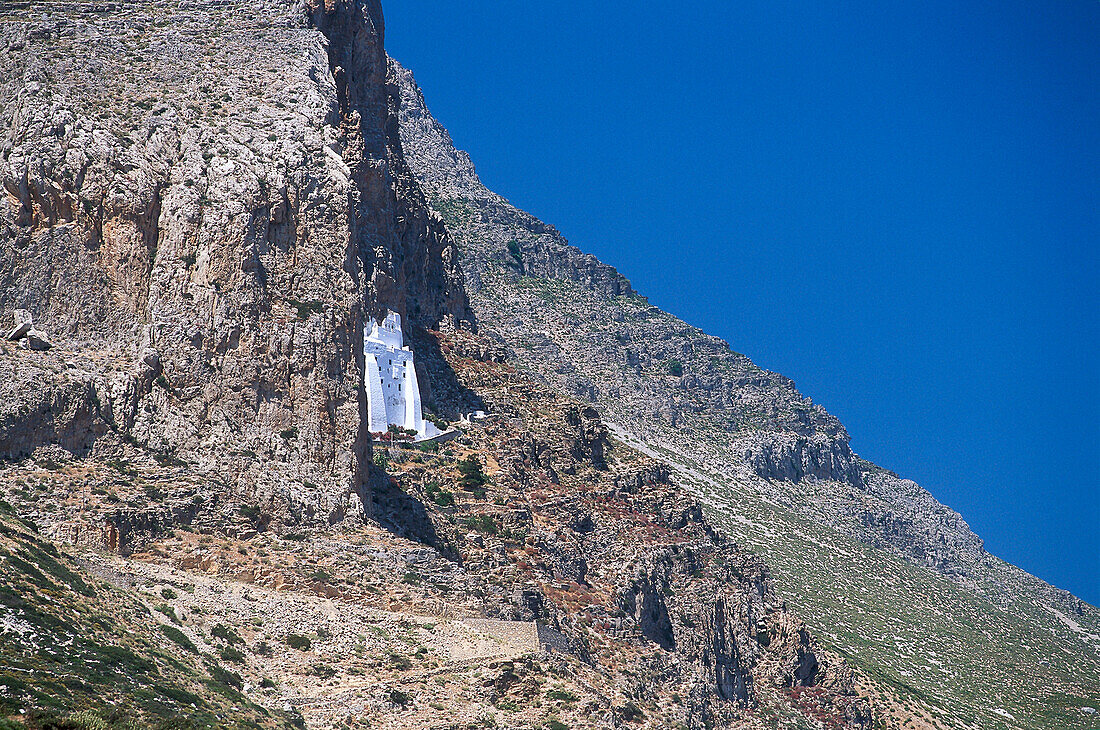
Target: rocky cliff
204	204
203	240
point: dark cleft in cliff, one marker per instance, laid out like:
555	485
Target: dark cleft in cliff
235	218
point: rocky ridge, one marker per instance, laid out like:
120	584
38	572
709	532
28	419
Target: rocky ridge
772	468
657	619
204	241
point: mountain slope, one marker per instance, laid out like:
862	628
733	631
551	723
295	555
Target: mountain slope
206	203
895	580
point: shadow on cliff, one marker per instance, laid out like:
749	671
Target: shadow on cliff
403	514
444	394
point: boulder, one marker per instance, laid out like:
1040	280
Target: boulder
23	324
37	340
20	331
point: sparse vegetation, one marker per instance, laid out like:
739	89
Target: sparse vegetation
179	638
226	634
231	654
306	309
299	642
482	523
515	252
473	478
439	496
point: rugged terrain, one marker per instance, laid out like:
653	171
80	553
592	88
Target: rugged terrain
648	616
204	204
209	235
895	580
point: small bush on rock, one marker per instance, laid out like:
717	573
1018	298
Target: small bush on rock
299	642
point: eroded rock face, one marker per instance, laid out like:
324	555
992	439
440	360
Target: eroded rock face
238	214
612	542
578	323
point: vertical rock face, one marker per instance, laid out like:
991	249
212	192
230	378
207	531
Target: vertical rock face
220	192
410	261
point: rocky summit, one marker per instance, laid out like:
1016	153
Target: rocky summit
615	521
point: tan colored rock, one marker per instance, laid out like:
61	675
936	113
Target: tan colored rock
217	214
23	324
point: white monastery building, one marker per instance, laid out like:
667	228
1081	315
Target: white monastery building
389	377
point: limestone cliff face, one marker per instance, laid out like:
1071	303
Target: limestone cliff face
204	239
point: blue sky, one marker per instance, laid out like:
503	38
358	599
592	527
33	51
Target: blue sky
896	204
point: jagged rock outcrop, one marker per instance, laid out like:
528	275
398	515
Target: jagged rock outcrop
656	376
871	551
238	216
612	542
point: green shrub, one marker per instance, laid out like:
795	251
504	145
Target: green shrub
482	523
441	497
323	671
472	477
674	367
305	309
169	612
516	253
299	642
232	654
226	677
178	637
167	458
631	712
86	720
226	634
561	695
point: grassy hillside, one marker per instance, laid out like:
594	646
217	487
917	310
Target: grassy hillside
76	652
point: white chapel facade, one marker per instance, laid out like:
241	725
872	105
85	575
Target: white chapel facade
389	378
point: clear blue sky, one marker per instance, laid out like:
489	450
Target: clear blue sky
896	204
